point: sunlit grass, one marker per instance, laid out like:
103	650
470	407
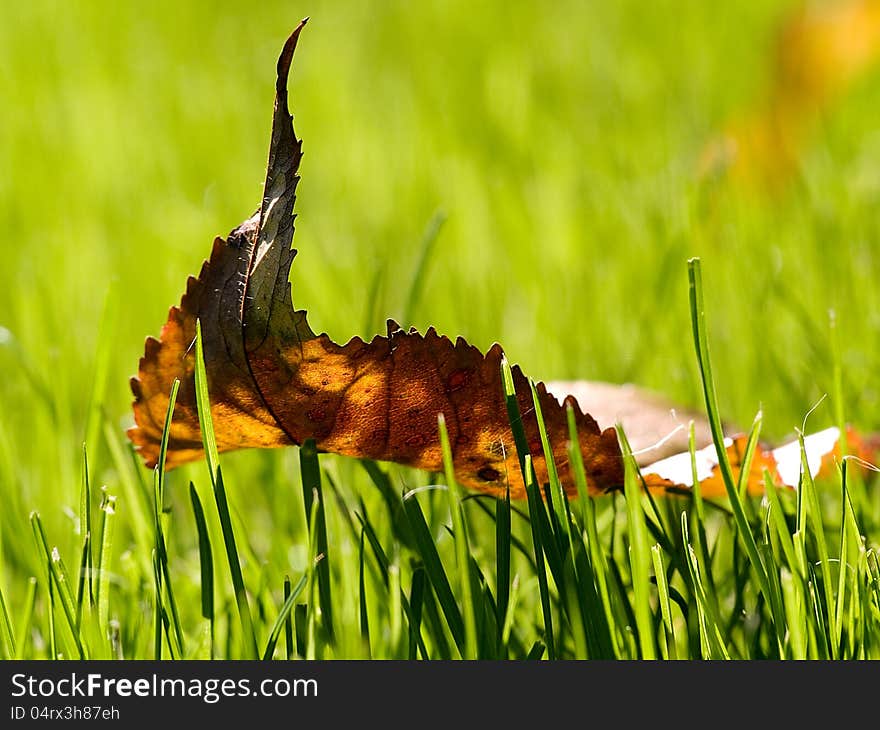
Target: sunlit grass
558	146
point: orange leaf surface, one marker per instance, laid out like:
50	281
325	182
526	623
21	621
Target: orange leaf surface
782	463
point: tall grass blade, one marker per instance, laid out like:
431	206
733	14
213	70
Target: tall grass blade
161	553
594	553
212	456
701	344
375	545
708	619
82	589
393	503
535	503
53	637
24	626
105	546
815	525
363	614
85	531
514	416
462	548
312	492
289	649
534	499
668	648
283	616
60	578
434	568
206	563
502	560
203	404
414	611
7	635
249	639
639	551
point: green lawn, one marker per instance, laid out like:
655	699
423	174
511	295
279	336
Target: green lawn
560	141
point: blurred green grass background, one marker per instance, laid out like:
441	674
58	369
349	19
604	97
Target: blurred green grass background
560	141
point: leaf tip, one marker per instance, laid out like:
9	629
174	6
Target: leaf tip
284	60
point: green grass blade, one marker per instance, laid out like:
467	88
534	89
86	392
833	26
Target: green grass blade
206	563
558	499
396	511
312	492
289	648
513	414
595	552
375	545
668	649
7	635
53	637
206	555
536	652
742	484
507	626
535	501
283	617
84	585
414	611
59	576
708	619
24	625
502	559
776	513
816	527
203	404
82	589
162	625
701	344
842	570
698	526
535	504
435	627
212	456
249	638
161	553
462	548
105	546
640	551
434	568
363	614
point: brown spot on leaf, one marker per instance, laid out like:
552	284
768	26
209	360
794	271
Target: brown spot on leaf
414	440
488	474
316	414
458	379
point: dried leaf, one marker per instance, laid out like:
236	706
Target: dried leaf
783	463
274	382
654	426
